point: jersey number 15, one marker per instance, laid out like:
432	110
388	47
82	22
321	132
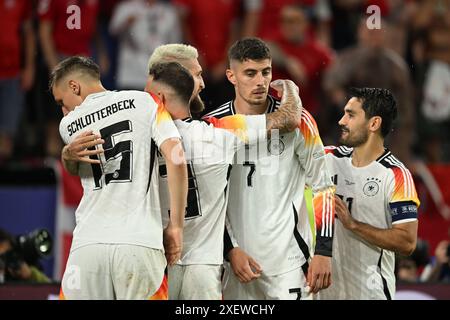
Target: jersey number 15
120	153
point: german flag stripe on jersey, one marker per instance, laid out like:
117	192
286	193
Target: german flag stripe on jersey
236	124
161	114
404	189
163	291
308	127
324	212
323	194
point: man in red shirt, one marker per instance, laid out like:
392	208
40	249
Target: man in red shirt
15	76
59	33
210	27
298	56
66	28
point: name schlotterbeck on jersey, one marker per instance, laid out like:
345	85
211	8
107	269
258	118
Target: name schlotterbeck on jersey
105	112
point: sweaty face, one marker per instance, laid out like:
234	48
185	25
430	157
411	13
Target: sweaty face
251	80
66	97
354	125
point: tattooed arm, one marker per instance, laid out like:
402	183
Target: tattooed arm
287	117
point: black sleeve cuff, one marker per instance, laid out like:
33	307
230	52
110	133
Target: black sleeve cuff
227	245
324	246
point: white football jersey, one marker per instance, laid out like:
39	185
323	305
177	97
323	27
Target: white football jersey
209	149
266	214
120	203
380	194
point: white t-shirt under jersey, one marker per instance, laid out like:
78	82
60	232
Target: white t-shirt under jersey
154	25
209	149
120	203
380	194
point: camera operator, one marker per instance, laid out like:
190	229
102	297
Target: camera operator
13	262
439	268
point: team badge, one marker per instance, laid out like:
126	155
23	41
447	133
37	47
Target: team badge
275	147
371	187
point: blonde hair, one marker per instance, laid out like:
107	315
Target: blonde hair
172	52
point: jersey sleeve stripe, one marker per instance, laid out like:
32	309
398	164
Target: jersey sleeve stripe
222	109
400	175
411	181
406	175
324	212
345	150
408	178
217	113
310	122
384	156
322	233
330	213
404	188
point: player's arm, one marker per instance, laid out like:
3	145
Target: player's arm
288	116
251	129
312	157
403	205
244	267
167	138
400	238
173	154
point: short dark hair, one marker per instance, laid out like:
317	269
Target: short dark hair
71	64
175	76
249	49
378	102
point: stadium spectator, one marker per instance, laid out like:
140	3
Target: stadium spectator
406	270
66	28
431	53
120	255
358	67
269	11
266	200
376	201
438	270
16	76
211	26
297	55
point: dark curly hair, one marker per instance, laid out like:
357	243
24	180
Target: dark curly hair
249	49
378	102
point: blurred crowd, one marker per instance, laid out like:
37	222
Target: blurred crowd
422	268
324	46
